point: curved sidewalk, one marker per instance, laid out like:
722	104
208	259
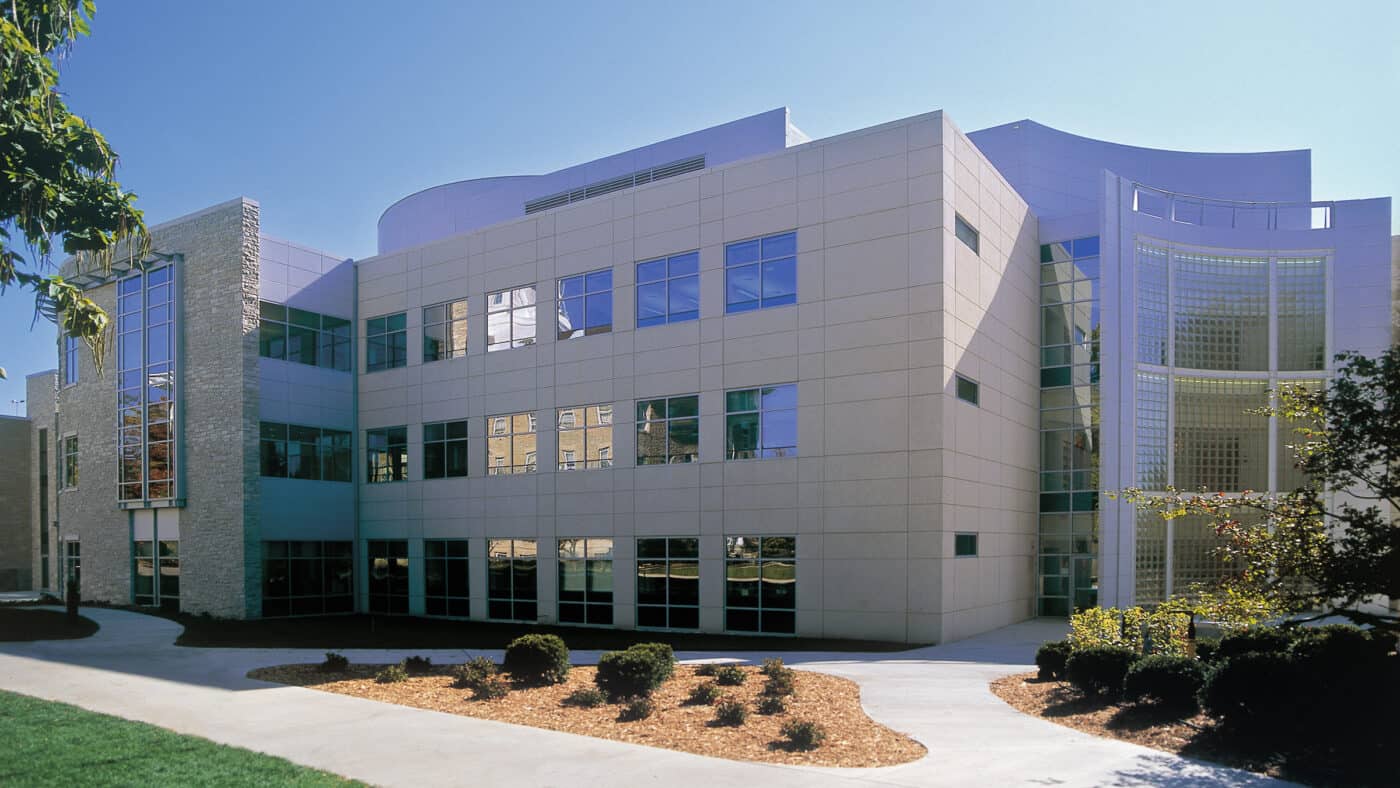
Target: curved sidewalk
938	695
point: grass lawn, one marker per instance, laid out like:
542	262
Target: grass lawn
363	631
49	743
17	624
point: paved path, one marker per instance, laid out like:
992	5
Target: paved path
938	695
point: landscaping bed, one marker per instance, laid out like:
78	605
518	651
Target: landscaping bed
853	739
26	624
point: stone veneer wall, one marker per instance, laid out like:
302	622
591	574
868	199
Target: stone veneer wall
40	397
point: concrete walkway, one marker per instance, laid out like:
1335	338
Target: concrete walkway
938	695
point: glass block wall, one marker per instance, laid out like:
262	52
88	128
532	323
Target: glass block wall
1069	426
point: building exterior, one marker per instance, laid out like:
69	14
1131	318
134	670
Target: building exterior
15	504
866	386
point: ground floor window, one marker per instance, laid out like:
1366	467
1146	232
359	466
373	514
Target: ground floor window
512	591
388	576
586	581
307	578
72	564
156	573
668	583
761	584
445	577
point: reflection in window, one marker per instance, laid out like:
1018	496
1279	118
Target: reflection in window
386	342
760	273
760	584
445	331
155	574
146	396
510	318
512	591
585	304
70	463
668	583
761	422
512	444
967	234
668	290
386	452
585	431
388	576
289	451
585	581
70	359
290	334
668	430
307	578
445	578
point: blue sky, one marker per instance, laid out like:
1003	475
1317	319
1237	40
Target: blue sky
328	112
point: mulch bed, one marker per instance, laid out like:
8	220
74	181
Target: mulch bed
17	625
853	739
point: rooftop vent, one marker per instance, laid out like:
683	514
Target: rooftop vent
617	184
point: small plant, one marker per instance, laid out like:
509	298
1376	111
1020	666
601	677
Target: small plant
586	697
638	708
391	674
491	688
537	659
704	694
804	734
472	672
772	704
1050	659
706	669
780	684
731	676
418	665
772	665
638	670
730	712
1100	670
335	663
1168	682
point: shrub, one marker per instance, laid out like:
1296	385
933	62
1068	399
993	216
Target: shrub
491	688
1336	648
1099	670
706	669
731	712
638	708
772	665
771	704
586	697
780	684
335	663
731	676
804	734
542	659
1170	682
417	664
1207	649
472	672
391	674
1160	631
1262	640
1050	659
661	654
1249	692
704	694
636	671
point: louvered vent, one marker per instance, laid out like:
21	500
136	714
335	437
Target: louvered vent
617	184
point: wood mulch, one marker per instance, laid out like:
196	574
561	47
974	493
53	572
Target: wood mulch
853	739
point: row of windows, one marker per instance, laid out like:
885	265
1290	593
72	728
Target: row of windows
289	451
308	578
290	334
759	273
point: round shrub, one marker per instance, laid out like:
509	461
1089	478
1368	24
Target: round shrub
1262	640
1207	649
542	659
1338	648
586	697
391	674
335	663
418	665
780	684
491	688
772	665
706	669
731	712
1167	681
1050	659
1252	692
704	694
804	734
771	704
472	672
634	672
661	653
731	676
1099	670
637	709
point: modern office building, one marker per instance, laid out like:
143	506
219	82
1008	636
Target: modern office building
866	386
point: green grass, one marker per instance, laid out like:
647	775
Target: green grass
17	625
49	743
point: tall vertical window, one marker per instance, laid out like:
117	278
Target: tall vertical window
761	422
585	581
512	579
72	564
585	437
967	234
386	342
511	443
668	583
156	573
668	430
444	449
1302	312
388	576
146	392
760	273
293	452
445	578
386	452
307	578
510	318
761	584
290	334
668	290
585	304
70	359
70	462
445	331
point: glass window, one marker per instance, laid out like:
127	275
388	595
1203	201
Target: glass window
70	359
1221	307
760	273
444	449
668	583
585	431
967	234
968	390
585	304
761	584
964	545
388	576
146	396
512	589
445	578
296	452
510	318
445	331
668	290
668	430
1302	312
386	450
386	342
761	422
290	334
586	581
70	462
155	574
512	444
307	578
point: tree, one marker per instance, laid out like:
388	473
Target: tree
1330	547
58	171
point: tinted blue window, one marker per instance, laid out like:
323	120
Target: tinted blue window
651	304
682	264
761	273
1086	247
1087	267
585	304
652	271
761	422
668	290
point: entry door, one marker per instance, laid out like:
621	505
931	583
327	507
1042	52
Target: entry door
156	573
